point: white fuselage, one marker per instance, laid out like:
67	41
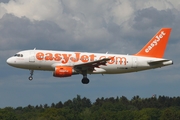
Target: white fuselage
48	60
65	64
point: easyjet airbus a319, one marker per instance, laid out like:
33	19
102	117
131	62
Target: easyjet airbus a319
66	64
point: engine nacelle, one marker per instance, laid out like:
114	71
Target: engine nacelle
63	71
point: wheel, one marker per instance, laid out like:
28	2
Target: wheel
30	78
85	80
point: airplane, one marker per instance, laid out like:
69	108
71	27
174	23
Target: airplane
66	64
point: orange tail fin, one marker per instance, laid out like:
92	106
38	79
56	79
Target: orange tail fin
157	45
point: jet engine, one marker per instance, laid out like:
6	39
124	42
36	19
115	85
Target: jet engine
63	71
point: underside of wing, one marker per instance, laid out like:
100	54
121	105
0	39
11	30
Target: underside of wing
90	66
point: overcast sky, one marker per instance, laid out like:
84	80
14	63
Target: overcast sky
116	26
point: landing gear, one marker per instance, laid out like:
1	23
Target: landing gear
31	73
30	78
85	80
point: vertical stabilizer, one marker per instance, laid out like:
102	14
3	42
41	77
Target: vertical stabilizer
157	45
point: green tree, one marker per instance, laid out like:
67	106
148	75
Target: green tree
7	114
51	114
170	114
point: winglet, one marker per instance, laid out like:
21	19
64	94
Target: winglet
157	45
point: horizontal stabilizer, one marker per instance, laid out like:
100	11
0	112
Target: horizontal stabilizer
160	62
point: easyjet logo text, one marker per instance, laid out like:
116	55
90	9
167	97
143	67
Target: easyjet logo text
78	57
155	42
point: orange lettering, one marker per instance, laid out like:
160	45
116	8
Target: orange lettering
121	59
111	61
84	58
65	58
57	57
76	59
92	57
40	56
49	56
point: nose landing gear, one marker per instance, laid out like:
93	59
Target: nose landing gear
30	78
31	73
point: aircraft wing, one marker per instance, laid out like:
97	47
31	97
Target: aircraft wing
89	66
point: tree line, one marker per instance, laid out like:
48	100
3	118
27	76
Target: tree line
119	108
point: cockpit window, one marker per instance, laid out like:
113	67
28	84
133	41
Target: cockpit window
18	55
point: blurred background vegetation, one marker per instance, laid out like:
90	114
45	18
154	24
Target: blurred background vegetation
119	108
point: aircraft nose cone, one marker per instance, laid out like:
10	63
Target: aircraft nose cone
9	61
